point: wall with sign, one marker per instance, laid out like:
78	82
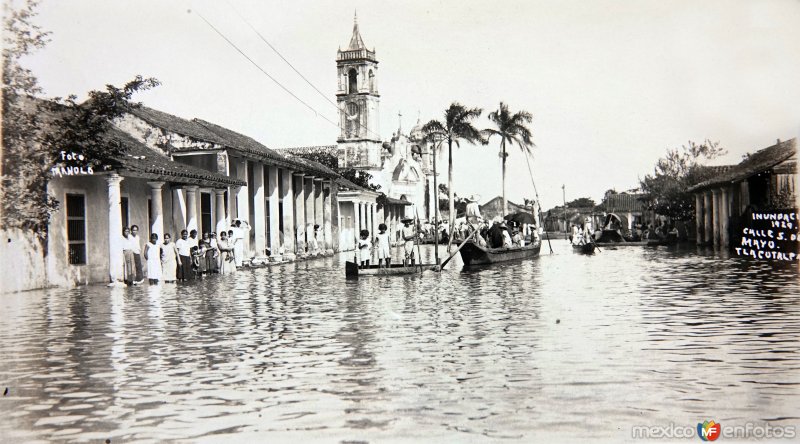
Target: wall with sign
768	235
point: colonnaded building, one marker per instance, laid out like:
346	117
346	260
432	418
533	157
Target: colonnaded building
178	173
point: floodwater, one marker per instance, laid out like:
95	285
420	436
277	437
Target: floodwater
560	347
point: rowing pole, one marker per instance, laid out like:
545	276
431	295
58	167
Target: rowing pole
440	268
416	238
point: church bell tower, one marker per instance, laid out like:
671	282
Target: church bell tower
359	143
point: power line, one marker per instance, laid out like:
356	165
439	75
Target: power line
281	55
318	114
263	39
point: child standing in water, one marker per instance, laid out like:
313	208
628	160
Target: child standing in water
363	249
152	254
384	247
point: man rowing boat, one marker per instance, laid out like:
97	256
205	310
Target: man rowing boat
408	232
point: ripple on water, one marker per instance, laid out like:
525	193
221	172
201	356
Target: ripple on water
562	345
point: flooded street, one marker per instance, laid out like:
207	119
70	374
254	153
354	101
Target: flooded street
563	346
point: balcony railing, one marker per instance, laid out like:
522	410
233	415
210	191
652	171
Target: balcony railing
356	54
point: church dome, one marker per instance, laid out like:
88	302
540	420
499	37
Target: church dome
416	132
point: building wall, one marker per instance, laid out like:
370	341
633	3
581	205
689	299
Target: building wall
347	235
95	191
23	260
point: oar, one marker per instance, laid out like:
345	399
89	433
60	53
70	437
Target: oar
595	244
441	267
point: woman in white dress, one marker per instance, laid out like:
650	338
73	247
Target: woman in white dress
170	260
152	254
227	263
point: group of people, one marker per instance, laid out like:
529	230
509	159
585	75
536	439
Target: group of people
381	243
661	231
185	259
583	234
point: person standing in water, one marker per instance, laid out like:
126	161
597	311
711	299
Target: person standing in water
408	232
384	246
152	254
364	254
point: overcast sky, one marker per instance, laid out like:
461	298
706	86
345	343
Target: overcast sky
611	84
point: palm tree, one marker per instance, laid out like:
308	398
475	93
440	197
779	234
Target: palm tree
455	127
511	129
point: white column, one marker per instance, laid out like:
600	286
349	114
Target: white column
373	219
274	209
698	218
309	196
299	212
158	209
242	198
715	213
318	205
219	201
115	260
707	219
724	217
327	213
288	210
356	225
259	210
191	208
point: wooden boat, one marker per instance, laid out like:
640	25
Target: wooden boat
474	254
583	248
352	270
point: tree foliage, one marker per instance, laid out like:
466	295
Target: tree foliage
25	203
456	126
581	202
36	131
666	190
511	128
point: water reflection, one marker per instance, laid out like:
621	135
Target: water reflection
564	345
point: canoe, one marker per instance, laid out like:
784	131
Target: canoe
584	248
351	270
474	254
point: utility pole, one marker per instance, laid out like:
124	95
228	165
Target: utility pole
564	196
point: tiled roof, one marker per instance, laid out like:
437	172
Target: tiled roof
624	203
300	150
344	183
314	166
176	124
757	162
210	132
138	159
245	143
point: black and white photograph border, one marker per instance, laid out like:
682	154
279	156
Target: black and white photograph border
363	222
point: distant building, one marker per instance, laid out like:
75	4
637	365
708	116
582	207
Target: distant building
625	204
494	208
767	179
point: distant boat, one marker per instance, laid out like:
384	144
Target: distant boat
352	270
474	254
583	248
